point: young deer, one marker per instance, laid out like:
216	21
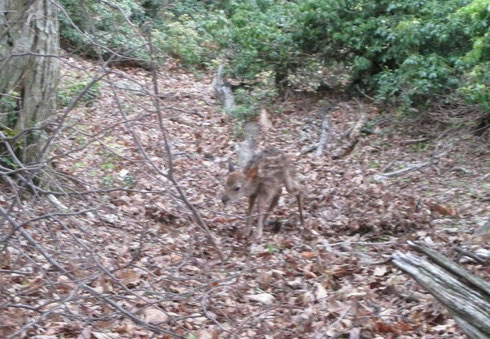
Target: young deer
262	180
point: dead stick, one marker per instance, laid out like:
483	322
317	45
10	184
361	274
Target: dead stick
324	134
470	255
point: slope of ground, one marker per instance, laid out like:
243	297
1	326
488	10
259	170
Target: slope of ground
127	234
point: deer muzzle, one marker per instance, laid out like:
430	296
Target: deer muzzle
224	199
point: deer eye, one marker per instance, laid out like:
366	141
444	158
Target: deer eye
237	188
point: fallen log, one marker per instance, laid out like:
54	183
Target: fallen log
467	297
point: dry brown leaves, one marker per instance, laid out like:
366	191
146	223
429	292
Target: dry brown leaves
330	278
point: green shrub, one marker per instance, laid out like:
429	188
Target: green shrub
416	80
184	37
405	52
249	102
112	32
475	64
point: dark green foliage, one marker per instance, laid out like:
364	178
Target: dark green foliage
93	23
405	52
248	102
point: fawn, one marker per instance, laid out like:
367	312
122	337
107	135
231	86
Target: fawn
262	180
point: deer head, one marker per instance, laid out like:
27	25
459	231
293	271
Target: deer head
239	184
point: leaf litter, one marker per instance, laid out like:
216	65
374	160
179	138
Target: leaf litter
331	278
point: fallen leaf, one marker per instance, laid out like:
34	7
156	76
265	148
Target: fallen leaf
129	276
320	291
385	328
308	255
155	316
443	209
264	279
355	333
264	298
380	271
100	335
207	334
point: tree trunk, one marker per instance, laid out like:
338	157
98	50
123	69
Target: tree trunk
29	47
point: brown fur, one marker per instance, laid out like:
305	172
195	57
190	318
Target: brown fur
262	181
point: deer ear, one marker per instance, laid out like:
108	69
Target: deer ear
231	167
252	173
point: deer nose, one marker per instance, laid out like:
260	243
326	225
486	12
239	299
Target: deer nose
224	199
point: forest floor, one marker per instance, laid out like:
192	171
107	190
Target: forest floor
329	278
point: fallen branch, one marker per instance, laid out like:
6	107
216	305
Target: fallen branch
352	135
413	141
462	169
308	149
459	271
466	296
346	151
182	120
320	147
356	129
409	168
468	254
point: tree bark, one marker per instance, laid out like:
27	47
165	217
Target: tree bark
466	296
29	70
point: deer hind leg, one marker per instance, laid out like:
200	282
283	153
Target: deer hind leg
293	187
260	224
300	200
251	206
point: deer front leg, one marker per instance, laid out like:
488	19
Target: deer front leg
272	204
251	206
265	205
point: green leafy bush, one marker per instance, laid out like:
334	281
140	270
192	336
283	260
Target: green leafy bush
185	38
416	80
96	24
405	52
475	63
249	102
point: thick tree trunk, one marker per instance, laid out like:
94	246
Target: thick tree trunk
29	46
